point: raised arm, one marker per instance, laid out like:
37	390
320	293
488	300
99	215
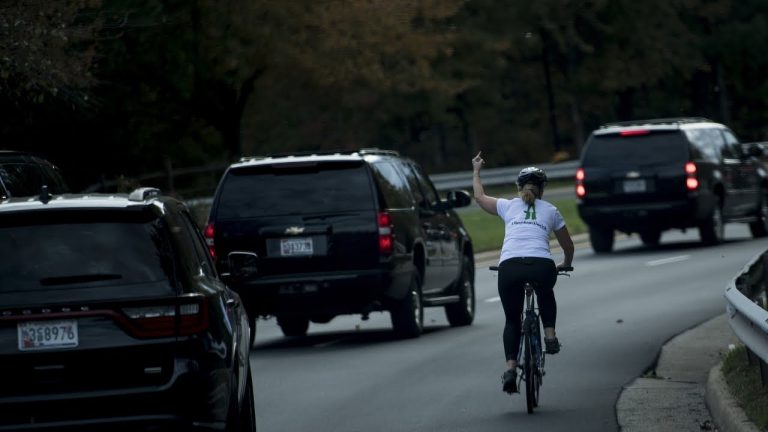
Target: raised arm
485	202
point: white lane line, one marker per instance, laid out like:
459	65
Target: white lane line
667	260
493	299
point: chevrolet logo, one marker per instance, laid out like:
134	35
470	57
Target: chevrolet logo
294	230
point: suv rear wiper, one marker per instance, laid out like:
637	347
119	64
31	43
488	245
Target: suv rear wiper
83	278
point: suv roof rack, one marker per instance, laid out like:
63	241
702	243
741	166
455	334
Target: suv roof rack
144	193
659	121
362	151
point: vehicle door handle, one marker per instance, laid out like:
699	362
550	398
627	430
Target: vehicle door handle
232	303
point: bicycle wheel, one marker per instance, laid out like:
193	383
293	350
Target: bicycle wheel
529	375
536	365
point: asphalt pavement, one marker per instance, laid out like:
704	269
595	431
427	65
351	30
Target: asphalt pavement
685	389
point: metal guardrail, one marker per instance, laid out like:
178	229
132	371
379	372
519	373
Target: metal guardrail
747	309
501	176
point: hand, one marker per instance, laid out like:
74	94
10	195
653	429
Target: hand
477	163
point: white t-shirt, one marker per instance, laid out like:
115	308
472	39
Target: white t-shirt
527	229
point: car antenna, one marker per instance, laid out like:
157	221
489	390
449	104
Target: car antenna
45	195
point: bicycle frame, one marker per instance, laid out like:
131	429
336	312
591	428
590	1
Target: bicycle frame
530	357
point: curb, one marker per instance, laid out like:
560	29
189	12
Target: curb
725	411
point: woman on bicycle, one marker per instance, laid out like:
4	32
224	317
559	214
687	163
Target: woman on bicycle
525	256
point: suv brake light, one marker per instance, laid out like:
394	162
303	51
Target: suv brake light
691	182
386	236
634	132
164	320
581	191
209	233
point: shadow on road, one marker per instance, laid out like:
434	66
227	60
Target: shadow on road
336	339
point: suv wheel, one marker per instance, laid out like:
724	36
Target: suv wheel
293	325
245	419
408	314
712	230
601	239
462	313
650	237
759	228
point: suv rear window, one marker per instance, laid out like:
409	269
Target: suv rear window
270	190
651	149
76	251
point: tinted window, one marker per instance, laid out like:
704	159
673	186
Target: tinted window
392	185
54	180
425	185
652	149
21	179
710	142
83	250
295	189
732	142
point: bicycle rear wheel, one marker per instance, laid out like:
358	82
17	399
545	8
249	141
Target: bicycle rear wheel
530	375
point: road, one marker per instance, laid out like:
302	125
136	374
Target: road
615	313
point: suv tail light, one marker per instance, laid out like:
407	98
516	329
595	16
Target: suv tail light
691	182
209	235
386	236
634	132
581	191
182	318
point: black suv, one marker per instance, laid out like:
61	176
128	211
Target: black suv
648	176
112	317
343	233
23	174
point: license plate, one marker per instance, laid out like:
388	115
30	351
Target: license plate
38	335
634	186
296	247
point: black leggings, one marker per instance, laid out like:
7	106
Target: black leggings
513	273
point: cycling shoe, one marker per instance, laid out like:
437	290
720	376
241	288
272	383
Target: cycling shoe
552	346
509	381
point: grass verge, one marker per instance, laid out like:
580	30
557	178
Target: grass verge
746	386
487	231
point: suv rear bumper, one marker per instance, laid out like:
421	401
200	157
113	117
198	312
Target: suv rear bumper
182	402
637	217
323	294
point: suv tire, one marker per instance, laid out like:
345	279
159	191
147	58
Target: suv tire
601	239
293	325
245	419
408	314
712	230
650	237
463	312
759	228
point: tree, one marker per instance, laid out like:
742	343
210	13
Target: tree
47	49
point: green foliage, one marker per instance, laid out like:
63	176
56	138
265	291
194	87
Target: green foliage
745	384
47	49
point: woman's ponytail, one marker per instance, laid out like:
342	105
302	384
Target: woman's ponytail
528	196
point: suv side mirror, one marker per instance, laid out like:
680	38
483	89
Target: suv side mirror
458	198
242	265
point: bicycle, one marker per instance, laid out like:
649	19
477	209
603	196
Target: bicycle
530	356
